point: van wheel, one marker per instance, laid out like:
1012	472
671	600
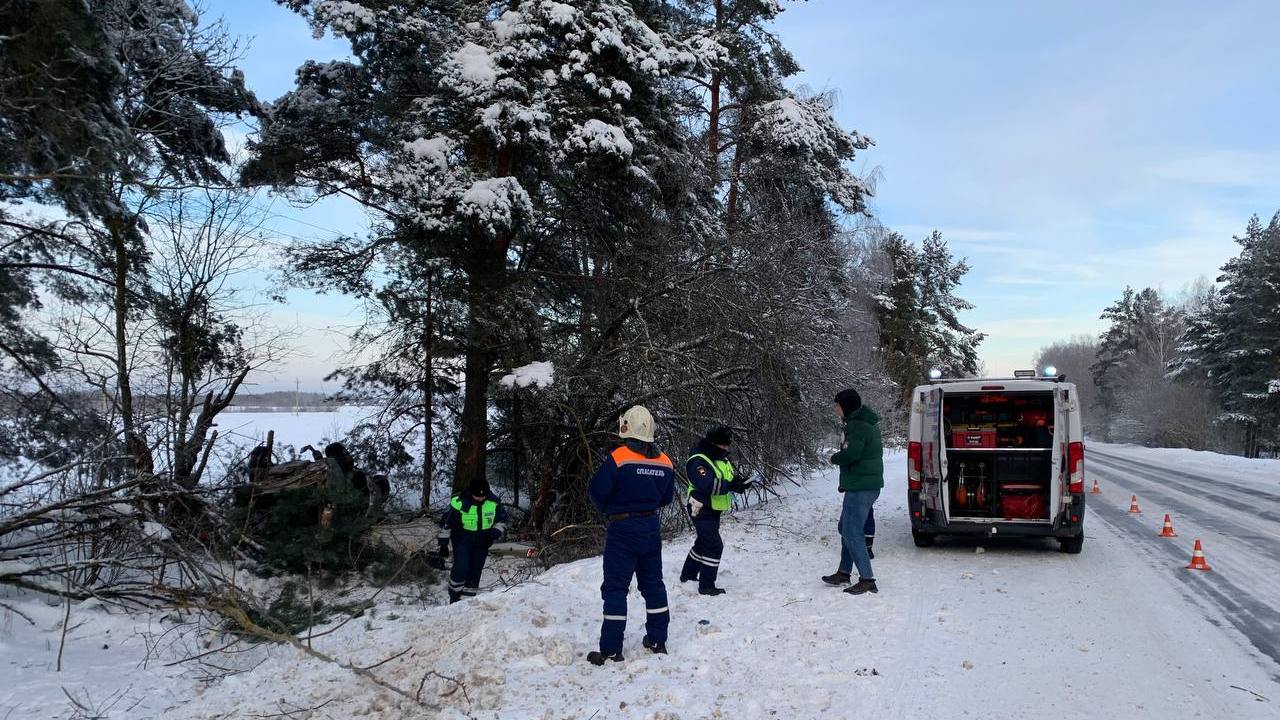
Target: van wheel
1072	545
923	539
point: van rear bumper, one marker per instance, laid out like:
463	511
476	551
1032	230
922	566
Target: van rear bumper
928	522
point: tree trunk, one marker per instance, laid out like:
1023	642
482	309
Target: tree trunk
121	303
515	444
473	432
428	398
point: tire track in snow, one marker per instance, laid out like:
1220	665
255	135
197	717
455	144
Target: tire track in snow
1257	621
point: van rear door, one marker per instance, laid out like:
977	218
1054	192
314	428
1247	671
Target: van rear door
933	456
1059	495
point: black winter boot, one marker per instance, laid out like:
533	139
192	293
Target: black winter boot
836	578
711	591
656	648
864	585
871	541
595	657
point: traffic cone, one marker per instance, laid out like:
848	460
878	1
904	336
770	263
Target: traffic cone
1167	530
1096	490
1197	558
1133	504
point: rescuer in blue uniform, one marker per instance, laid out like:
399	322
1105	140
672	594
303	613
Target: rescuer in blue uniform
474	520
630	487
711	479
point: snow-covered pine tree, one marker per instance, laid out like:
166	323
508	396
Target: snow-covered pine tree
1235	339
953	346
904	328
919	311
481	125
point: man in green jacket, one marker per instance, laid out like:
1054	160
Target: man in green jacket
861	478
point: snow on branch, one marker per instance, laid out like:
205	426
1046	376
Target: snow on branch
433	151
495	203
536	374
344	17
472	69
595	136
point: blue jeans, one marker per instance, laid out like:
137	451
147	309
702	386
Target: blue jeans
853	544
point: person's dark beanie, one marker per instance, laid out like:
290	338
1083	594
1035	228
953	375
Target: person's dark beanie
480	487
850	401
720	435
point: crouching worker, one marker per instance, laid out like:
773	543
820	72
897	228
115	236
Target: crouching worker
711	480
475	519
632	484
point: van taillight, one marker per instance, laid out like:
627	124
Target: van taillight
915	459
1075	466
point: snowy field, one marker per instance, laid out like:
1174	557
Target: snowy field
1005	630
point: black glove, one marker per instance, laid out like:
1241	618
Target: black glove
739	485
444	549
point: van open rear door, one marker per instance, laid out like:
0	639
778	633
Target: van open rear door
1059	493
933	460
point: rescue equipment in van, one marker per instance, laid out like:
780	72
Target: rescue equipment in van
1023	502
1167	530
974	437
971	491
1197	558
1133	504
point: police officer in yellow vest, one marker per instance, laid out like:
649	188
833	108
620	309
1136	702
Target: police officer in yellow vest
475	519
710	482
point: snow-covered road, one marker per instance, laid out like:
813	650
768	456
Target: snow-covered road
1013	629
1232	508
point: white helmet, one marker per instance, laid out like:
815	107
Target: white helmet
637	424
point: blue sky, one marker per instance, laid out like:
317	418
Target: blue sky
1066	149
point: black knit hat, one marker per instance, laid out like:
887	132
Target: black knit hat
850	401
720	435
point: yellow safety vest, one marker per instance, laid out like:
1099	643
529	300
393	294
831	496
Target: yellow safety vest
724	473
476	517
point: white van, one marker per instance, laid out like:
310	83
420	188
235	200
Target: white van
996	457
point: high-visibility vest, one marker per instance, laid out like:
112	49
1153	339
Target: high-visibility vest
724	473
476	517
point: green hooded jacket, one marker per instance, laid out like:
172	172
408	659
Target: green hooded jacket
861	461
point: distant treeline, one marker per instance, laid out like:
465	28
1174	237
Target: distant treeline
285	400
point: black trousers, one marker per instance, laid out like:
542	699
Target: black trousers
703	561
469	556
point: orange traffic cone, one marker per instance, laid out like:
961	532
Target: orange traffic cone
1197	558
1167	530
1096	490
1133	504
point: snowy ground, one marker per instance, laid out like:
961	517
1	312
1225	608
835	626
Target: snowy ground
1120	631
